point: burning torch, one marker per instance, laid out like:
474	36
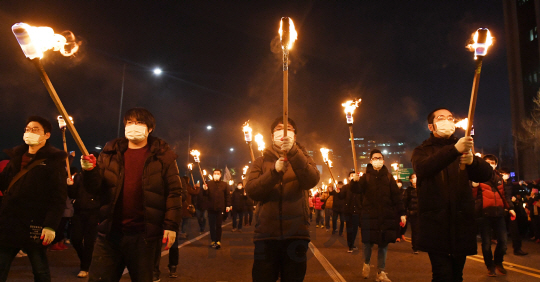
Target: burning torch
248	137
260	143
287	35
190	168
34	41
482	40
350	106
196	154
395	166
328	163
62	125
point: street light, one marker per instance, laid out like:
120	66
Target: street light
231	149
157	71
209	127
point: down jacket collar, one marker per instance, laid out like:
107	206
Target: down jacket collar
120	145
46	152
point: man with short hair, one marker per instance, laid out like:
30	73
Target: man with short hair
279	181
445	202
138	179
34	187
219	201
238	200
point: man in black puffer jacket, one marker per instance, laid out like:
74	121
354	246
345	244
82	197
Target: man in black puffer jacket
140	190
34	204
239	199
279	181
410	199
445	202
219	201
353	206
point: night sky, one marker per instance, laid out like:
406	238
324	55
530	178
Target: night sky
222	66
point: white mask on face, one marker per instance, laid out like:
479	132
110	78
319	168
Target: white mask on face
135	132
493	166
216	177
445	128
377	164
413	181
399	185
239	187
31	139
278	134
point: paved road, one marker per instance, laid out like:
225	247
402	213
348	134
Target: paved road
233	262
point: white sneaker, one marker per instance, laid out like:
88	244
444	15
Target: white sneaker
82	274
382	277
21	254
365	271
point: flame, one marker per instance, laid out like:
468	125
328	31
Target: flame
293	35
345	181
330	163
361	173
480	49
204	172
231	182
260	142
190	166
478	155
36	40
247	131
324	153
210	177
62	123
195	154
243	177
350	106
329	180
395	166
463	123
395	177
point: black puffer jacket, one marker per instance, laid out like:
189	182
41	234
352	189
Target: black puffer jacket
283	210
218	196
445	202
353	201
410	199
83	201
36	199
161	184
381	201
339	200
239	199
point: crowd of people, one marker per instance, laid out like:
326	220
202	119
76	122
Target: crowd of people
129	200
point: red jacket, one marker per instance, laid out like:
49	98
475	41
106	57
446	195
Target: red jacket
317	203
492	203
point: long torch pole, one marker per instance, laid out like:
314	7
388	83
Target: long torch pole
65	149
286	35
251	151
59	105
331	174
474	96
200	170
192	180
353	149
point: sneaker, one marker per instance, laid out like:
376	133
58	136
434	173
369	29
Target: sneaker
156	278
213	245
322	226
520	252
350	250
218	245
67	241
415	252
355	248
491	272
172	271
317	226
381	276
82	274
234	230
500	268
398	240
365	271
21	254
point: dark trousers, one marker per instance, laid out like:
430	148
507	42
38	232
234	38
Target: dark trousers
237	215
173	257
515	234
335	215
111	256
353	222
318	217
280	258
498	225
38	259
327	216
201	219
447	268
413	222
248	217
311	214
214	221
83	236
59	232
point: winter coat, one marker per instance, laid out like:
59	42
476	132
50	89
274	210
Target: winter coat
327	200
353	201
83	201
218	196
283	209
445	201
339	201
188	200
239	199
317	203
162	188
310	201
36	200
201	203
381	201
249	206
410	200
488	201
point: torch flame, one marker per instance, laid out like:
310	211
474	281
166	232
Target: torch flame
395	166
245	169
231	182
195	154
350	106
204	172
36	40
292	34
478	155
480	48
324	153
329	180
260	142
463	123
247	131
190	166
345	181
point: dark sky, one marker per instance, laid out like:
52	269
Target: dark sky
221	66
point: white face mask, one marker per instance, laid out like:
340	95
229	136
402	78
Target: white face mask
216	177
445	128
278	134
135	132
413	181
377	164
494	166
239	187
31	139
399	185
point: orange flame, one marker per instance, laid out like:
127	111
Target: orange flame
345	181
479	48
324	153
204	172
395	166
231	182
36	40
293	35
260	142
350	106
195	154
463	123
62	122
247	132
190	166
245	169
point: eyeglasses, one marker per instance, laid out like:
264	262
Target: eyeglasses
33	129
377	159
448	118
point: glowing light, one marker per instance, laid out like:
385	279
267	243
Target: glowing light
329	180
204	172
195	154
350	106
345	182
260	142
209	127
34	41
245	169
231	149
478	155
287	37
247	132
231	182
157	71
324	153
463	123
210	177
482	41
395	166
62	123
190	166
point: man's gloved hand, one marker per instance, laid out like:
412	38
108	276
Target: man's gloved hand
69	181
464	144
205	187
403	221
467	158
288	142
475	184
513	199
356	177
281	165
47	235
169	237
88	162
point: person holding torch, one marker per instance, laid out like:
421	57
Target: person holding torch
445	202
141	201
280	182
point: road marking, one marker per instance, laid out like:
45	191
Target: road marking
334	274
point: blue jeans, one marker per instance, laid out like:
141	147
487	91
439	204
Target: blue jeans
498	225
38	259
201	219
381	259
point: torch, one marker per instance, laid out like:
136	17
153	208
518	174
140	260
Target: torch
463	124
395	166
482	40
260	143
34	41
350	106
287	35
190	168
62	125
248	137
328	163
196	154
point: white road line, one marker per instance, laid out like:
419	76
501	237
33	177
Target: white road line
334	274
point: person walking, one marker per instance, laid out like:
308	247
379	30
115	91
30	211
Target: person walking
353	206
411	205
219	201
239	199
